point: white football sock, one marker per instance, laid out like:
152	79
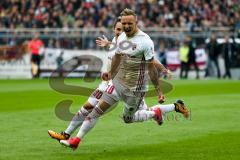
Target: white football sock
90	121
77	120
143	115
165	108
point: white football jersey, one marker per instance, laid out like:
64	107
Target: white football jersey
138	45
135	52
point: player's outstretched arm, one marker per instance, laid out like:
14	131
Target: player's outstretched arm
162	69
153	74
159	65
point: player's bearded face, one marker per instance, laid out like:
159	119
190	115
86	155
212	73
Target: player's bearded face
129	24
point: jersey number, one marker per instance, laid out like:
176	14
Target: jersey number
109	89
98	94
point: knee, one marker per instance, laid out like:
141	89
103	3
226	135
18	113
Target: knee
88	107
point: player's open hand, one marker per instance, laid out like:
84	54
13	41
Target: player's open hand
106	76
102	41
161	98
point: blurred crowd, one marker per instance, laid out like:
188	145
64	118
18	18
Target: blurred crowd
101	13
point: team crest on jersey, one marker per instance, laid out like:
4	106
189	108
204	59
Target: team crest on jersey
134	46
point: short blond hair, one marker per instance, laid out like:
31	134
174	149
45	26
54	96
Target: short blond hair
128	12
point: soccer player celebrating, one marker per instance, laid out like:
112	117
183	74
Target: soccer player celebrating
129	71
96	95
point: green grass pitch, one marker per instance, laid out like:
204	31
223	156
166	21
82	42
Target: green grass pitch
212	132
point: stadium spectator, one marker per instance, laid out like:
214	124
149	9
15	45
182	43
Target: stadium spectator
59	61
192	56
184	54
227	50
36	48
213	53
161	52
